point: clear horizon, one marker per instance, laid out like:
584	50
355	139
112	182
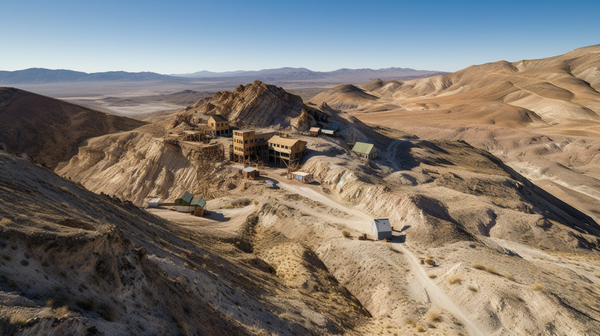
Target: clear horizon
185	36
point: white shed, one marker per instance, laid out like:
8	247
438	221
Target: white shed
382	229
302	177
154	203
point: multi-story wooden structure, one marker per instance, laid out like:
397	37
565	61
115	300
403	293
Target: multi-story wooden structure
218	125
285	150
249	145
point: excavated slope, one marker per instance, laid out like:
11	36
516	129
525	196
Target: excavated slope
50	130
74	262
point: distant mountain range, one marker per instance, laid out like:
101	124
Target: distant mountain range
42	76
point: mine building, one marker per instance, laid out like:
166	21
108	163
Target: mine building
248	145
190	204
315	131
250	173
218	125
198	203
288	151
332	130
302	177
365	150
154	203
382	229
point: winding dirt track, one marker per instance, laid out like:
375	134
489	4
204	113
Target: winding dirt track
437	296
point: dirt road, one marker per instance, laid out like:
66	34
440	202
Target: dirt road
437	296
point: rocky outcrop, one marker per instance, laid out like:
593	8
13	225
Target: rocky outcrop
260	105
139	165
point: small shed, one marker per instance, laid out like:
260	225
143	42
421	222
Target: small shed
382	229
154	203
302	177
315	131
237	169
184	199
199	204
329	132
365	150
250	172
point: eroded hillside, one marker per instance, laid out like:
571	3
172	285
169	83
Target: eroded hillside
51	130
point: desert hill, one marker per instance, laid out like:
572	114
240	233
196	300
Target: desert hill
50	130
75	262
529	113
551	91
505	257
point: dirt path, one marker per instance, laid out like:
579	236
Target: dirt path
437	296
361	222
391	151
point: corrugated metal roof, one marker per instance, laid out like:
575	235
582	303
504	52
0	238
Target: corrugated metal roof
382	225
301	173
187	197
249	169
364	148
237	167
328	131
199	201
315	129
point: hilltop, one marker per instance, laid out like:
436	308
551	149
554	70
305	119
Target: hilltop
51	130
539	116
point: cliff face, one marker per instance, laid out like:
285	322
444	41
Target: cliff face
134	165
260	105
78	263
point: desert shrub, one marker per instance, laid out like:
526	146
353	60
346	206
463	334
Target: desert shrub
409	321
434	316
472	288
65	190
479	266
240	202
62	311
345	233
432	276
537	287
255	202
5	221
491	270
420	328
430	262
509	277
455	279
18	318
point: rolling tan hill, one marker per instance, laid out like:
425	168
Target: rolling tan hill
505	257
539	116
51	130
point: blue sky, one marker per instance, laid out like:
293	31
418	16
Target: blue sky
181	36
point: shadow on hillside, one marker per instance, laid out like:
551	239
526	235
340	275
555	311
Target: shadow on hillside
217	216
401	155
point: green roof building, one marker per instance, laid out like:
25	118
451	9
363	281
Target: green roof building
185	199
365	150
